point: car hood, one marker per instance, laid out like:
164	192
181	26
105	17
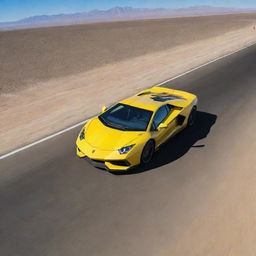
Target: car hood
105	138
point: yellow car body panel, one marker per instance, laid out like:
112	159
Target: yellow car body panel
101	143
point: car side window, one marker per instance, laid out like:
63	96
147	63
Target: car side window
160	115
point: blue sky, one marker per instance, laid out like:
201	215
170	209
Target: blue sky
11	10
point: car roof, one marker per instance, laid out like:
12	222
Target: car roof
155	97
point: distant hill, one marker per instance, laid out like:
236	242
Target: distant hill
114	14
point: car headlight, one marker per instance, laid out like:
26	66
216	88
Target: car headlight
125	150
81	135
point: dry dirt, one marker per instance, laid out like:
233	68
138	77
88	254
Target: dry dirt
35	55
65	81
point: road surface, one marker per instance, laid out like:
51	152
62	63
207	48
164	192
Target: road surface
197	197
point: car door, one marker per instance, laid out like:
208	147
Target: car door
160	135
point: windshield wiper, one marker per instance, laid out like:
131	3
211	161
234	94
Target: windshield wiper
113	125
118	126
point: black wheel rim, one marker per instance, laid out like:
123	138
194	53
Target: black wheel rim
147	153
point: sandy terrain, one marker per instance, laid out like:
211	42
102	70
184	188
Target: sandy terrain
61	88
33	55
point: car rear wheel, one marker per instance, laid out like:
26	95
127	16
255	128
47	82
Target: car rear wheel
148	152
192	117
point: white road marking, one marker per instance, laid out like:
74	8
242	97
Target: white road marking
42	140
82	122
205	64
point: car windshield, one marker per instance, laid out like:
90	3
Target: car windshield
127	118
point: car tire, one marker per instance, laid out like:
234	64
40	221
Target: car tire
147	152
192	117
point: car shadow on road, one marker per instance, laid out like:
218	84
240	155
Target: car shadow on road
181	143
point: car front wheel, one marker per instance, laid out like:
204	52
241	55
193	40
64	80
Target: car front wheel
148	152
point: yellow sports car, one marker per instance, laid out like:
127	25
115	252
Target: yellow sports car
128	133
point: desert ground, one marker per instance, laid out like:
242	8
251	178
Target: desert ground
35	55
50	76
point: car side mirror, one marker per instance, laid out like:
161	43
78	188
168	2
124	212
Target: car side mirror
104	109
161	126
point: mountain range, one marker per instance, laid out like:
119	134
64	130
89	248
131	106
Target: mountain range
115	14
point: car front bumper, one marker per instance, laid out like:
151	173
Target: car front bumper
107	165
108	160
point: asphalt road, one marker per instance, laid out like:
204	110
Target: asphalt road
52	203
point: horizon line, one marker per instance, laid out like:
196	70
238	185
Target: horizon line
125	6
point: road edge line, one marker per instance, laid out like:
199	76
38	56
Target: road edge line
82	122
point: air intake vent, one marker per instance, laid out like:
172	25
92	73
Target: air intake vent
167	97
144	93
